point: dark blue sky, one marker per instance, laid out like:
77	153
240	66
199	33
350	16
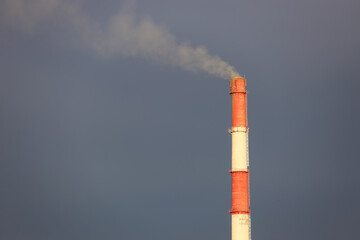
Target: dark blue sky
124	147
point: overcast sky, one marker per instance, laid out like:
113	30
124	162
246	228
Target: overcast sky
104	136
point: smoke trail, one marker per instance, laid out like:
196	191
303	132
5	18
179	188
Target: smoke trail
121	35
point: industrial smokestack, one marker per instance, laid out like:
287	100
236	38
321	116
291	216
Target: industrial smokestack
240	212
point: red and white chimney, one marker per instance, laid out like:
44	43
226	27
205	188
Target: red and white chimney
240	212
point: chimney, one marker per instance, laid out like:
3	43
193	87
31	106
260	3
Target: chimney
240	212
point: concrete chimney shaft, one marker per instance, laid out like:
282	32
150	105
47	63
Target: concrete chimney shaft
240	207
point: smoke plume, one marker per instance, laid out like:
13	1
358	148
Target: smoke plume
122	34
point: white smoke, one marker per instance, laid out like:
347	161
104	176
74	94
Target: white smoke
121	35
